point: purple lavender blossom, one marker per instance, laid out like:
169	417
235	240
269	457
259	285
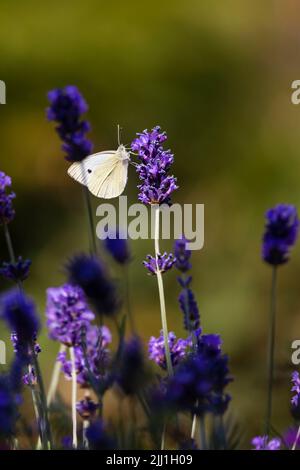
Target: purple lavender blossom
90	274
98	438
131	371
187	301
199	382
118	247
16	271
24	353
67	313
263	443
290	437
295	388
20	314
87	408
8	408
282	226
164	263
97	355
7	212
182	255
156	184
178	348
66	107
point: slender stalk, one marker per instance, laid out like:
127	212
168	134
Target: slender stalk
162	295
194	426
54	378
74	398
203	433
43	398
271	350
163	437
85	441
128	303
296	440
9	243
92	232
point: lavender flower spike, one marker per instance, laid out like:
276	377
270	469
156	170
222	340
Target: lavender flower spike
163	263
7	212
66	107
263	443
16	271
178	348
67	312
282	226
295	388
156	184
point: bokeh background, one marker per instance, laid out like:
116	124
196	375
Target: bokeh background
217	77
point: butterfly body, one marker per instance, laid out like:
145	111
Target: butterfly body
104	173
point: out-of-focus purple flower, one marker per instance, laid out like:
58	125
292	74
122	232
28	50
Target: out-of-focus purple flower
295	388
7	211
182	255
20	314
290	437
97	356
67	313
263	443
8	408
87	408
98	438
156	349
199	382
187	301
89	273
163	263
131	371
281	232
118	247
66	107
189	307
156	184
16	271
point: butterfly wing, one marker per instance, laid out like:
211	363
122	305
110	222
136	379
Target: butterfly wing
82	171
109	181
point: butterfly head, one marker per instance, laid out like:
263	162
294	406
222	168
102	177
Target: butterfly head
123	153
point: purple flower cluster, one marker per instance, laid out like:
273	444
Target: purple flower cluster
20	314
8	408
16	271
199	382
156	184
24	354
178	348
163	263
295	388
89	273
282	226
131	369
67	313
66	107
98	438
118	247
96	356
87	408
263	443
7	212
187	300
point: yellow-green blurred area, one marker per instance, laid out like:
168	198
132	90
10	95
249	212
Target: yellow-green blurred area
217	77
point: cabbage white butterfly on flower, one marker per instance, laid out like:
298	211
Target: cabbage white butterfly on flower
104	173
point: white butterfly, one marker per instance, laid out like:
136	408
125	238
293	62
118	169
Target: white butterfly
104	173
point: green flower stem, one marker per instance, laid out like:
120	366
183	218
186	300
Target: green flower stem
162	295
272	333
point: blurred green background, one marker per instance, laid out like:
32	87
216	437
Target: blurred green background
217	77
